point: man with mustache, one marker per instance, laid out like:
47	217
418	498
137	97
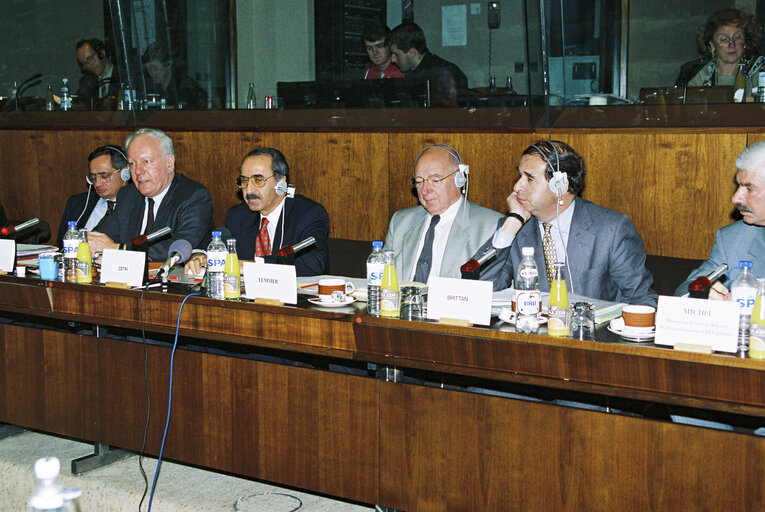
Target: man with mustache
270	219
744	239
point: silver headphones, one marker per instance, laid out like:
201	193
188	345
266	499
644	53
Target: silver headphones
124	173
281	187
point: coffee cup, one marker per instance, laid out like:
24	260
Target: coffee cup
334	289
639	317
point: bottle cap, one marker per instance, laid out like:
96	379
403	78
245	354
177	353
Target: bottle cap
527	251
216	234
377	244
47	468
72	224
745	264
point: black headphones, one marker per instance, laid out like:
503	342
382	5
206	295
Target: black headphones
461	176
559	181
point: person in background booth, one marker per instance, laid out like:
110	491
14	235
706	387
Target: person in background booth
100	78
165	78
730	37
380	65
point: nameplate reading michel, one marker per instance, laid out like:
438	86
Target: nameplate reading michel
270	281
460	298
712	323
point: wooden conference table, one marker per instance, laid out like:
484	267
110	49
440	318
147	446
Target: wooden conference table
408	445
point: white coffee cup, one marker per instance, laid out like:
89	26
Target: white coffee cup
327	287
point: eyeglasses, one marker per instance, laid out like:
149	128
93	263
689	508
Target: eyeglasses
91	59
106	177
725	40
418	181
377	46
257	180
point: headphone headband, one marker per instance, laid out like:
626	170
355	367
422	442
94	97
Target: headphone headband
443	147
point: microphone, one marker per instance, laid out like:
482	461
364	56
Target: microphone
25	84
179	252
9	230
289	250
147	239
471	266
699	288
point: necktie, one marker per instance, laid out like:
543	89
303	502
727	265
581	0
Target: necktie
149	218
263	241
426	256
110	206
548	244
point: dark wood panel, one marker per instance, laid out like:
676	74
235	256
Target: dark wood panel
446	450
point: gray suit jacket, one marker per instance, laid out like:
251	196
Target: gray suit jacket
605	257
472	225
733	243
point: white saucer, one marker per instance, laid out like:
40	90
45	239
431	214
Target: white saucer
318	302
507	315
633	336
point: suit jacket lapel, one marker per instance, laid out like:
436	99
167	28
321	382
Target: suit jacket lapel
581	239
457	239
167	206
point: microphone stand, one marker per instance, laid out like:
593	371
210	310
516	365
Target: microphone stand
26	84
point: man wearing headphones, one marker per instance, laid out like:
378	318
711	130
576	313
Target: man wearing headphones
436	238
270	218
100	78
603	253
158	198
107	173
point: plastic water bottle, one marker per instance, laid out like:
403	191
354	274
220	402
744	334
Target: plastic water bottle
71	497
216	260
744	291
47	493
252	100
71	245
375	269
527	296
66	100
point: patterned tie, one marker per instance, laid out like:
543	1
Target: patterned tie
110	206
426	256
149	218
263	241
551	258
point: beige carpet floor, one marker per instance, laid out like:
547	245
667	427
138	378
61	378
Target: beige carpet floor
119	486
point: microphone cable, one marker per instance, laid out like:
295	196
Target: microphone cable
169	398
148	398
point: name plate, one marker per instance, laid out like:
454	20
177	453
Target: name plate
122	267
460	298
7	255
270	281
712	323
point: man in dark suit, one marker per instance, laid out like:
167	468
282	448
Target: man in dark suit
100	78
270	219
157	198
409	51
104	178
603	253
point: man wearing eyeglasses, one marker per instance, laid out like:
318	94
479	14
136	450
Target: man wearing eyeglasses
437	237
104	181
99	76
270	218
157	198
378	51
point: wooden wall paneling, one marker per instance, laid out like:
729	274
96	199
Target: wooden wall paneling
213	159
493	160
310	429
41	380
674	186
447	450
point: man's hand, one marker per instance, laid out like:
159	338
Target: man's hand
719	292
512	225
195	263
99	241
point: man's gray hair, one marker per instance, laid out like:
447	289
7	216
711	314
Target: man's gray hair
752	159
165	142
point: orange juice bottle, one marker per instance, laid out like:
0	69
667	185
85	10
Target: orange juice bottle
757	328
84	262
389	292
231	274
558	323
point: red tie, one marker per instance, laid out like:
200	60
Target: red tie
263	241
